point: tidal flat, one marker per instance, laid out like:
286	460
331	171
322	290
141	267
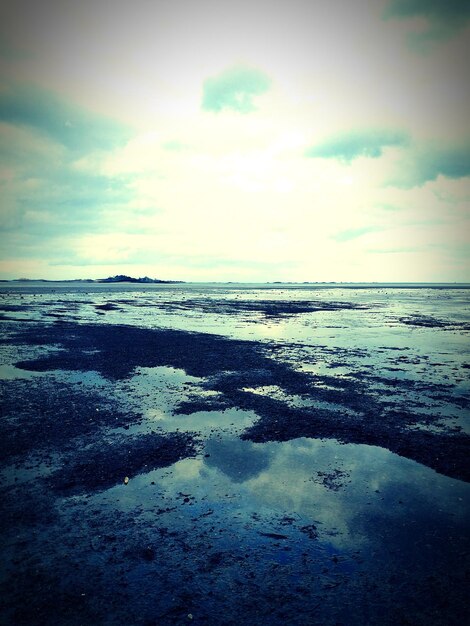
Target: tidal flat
234	454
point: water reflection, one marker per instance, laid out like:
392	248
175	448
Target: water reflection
237	459
10	372
357	496
203	422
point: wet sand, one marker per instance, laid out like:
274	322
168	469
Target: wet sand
164	475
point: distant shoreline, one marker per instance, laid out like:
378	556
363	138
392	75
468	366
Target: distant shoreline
271	284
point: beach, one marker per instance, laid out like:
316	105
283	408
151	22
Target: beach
235	454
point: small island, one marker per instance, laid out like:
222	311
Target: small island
119	278
122	278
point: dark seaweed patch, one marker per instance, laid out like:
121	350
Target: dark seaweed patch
267	308
45	413
108	306
108	463
14	307
424	321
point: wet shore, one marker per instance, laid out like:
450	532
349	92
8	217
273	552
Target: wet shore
158	474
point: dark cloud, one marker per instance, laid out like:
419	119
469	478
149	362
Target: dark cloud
444	17
428	162
234	89
71	126
365	143
438	9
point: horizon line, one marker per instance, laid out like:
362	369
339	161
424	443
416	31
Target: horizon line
238	282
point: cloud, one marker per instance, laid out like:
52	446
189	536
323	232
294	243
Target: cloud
353	144
46	197
71	126
174	146
354	233
426	163
234	89
46	206
444	17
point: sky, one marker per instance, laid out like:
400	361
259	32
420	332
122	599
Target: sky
207	140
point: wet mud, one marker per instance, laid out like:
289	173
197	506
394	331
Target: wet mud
234	368
267	308
432	322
